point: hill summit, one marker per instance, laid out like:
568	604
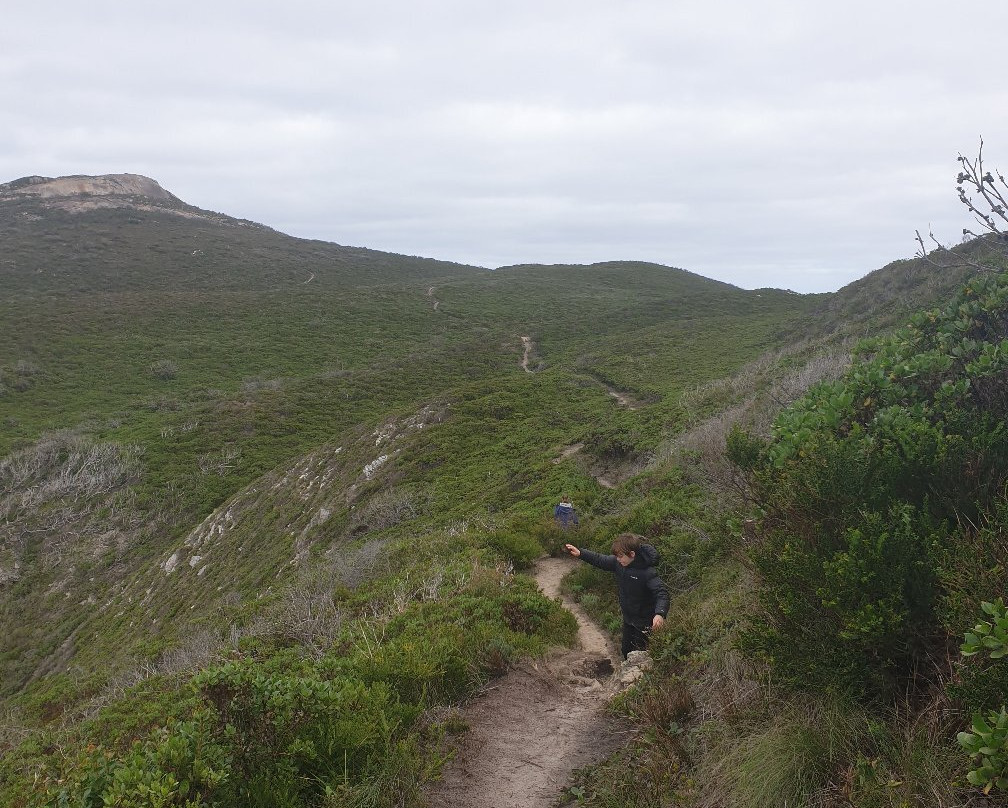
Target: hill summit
79	193
35	196
85	192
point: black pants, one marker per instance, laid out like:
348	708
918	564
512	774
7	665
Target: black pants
634	639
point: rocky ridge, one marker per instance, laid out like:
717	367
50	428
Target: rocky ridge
77	194
104	186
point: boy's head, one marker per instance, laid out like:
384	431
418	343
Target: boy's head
625	547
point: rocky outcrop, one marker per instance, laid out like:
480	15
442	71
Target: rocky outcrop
107	185
77	194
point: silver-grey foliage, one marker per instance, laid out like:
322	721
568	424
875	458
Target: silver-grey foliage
52	491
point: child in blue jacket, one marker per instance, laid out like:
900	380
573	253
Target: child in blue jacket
564	514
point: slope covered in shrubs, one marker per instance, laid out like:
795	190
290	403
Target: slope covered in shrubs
322	495
879	504
869	494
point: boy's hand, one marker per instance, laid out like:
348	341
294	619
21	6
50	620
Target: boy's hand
570	548
657	621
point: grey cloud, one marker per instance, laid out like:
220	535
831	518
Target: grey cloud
776	143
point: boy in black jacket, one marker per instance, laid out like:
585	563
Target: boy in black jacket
643	596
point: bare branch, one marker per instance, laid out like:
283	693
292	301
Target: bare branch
980	193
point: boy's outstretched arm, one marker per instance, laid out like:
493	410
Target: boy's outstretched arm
607	563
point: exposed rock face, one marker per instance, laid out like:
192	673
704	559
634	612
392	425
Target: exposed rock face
108	185
80	193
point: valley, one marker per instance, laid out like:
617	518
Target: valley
277	517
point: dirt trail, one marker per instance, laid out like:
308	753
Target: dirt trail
531	728
549	573
623	398
568	451
572	450
527	344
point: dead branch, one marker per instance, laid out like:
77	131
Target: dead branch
985	198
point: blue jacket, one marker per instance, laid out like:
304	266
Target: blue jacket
565	515
642	594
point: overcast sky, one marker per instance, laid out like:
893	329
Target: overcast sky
765	143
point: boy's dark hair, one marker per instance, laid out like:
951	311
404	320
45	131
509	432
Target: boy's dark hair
626	543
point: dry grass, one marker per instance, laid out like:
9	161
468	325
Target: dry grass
917	762
310	616
14	729
748	402
728	685
384	510
163	369
64	465
789	759
66	491
353	567
220	462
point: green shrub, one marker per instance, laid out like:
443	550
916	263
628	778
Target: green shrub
743	449
851	613
987	746
46	699
623	439
421	667
266	738
294	734
862	493
180	765
515	545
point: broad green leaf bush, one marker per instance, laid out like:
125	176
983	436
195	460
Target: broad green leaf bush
988	635
181	765
987	746
862	492
987	742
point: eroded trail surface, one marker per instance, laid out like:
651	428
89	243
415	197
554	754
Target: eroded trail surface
526	353
531	728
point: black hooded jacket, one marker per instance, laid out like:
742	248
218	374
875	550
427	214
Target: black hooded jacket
642	594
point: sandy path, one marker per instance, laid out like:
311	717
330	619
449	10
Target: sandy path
568	451
548	574
531	728
623	398
527	345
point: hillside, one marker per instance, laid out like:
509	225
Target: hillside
224	443
118	235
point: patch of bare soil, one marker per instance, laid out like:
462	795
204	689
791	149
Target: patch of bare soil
607	475
527	352
531	728
568	451
623	399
